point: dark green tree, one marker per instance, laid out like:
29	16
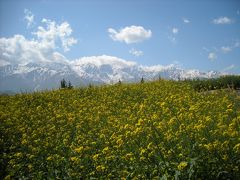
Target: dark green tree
90	85
70	86
142	80
63	83
159	77
119	82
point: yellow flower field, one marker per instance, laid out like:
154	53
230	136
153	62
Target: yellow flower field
153	130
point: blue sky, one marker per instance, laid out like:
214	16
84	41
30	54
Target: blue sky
202	35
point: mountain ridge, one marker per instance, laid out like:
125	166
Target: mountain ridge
96	70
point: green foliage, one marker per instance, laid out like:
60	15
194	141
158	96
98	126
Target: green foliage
64	84
154	130
230	81
70	86
119	82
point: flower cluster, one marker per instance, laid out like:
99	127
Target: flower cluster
150	130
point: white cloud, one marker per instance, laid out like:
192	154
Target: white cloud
175	30
226	49
223	20
19	50
130	34
212	56
29	17
172	36
116	62
136	52
229	68
185	20
213	51
158	67
54	32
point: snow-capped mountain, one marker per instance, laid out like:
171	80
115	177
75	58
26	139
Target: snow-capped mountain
95	70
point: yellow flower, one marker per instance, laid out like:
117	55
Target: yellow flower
209	146
126	126
199	127
109	158
128	133
180	155
24	141
100	168
237	148
74	159
105	150
30	167
230	106
171	121
182	165
94	143
49	158
129	156
142	151
150	146
39	108
102	136
140	122
95	157
19	154
142	159
141	107
225	157
154	116
79	150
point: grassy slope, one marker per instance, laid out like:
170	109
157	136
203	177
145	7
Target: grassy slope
156	129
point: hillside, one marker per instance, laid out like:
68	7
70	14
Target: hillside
158	129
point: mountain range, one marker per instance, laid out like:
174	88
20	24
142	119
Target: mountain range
103	69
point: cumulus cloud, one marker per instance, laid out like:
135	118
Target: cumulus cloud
103	60
130	34
222	20
175	30
213	51
185	20
135	52
226	49
29	17
53	32
19	50
212	56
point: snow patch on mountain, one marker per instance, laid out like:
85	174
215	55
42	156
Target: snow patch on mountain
94	69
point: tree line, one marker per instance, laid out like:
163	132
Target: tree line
65	85
223	82
228	81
